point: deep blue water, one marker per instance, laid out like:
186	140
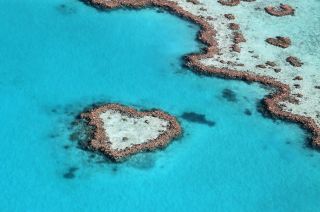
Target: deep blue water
55	60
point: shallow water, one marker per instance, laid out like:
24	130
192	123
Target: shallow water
56	60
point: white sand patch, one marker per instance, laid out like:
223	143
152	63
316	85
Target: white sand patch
124	131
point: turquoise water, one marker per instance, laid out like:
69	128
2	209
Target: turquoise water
56	60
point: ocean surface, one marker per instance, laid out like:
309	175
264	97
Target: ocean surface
59	56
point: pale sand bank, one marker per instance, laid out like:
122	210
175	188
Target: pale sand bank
124	131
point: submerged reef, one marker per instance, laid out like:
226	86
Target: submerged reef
197	118
282	10
229	2
120	131
65	9
209	62
70	174
229	95
229	16
283	42
294	61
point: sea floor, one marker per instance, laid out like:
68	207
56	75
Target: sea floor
59	56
